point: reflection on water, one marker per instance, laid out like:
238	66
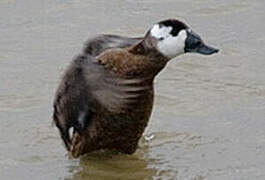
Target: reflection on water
141	165
101	166
208	119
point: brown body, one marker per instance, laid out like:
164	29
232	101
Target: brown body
108	99
106	94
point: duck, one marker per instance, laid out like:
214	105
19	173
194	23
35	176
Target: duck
106	94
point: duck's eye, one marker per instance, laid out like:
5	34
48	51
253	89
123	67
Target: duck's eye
162	38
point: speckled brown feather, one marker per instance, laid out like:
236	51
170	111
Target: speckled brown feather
115	90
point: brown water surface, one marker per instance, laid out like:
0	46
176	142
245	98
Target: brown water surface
208	119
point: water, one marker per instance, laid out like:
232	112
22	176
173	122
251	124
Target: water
208	119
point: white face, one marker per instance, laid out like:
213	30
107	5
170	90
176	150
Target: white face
167	44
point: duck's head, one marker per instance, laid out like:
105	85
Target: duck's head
172	38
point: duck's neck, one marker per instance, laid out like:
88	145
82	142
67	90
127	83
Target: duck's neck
145	49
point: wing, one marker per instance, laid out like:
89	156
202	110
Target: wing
99	44
88	88
109	91
72	103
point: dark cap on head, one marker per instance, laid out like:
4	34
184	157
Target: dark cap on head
175	24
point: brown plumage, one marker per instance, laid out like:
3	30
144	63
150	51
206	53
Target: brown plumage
115	91
106	94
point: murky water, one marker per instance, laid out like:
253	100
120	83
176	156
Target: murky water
208	119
